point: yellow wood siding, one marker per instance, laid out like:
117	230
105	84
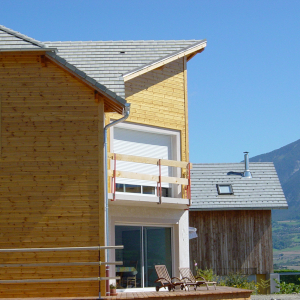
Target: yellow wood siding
50	173
158	98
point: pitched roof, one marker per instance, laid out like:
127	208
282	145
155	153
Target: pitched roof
262	191
11	40
109	61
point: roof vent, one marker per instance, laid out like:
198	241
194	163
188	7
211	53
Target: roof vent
122	52
247	172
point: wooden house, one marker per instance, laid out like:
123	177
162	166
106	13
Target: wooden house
56	98
231	209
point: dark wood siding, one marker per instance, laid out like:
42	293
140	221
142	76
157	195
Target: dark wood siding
232	241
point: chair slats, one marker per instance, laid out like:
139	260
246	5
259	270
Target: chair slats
190	280
165	279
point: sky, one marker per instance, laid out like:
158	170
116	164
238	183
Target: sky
243	90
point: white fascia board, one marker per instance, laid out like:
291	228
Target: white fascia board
164	61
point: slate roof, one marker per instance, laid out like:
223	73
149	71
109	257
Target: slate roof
262	191
108	61
13	40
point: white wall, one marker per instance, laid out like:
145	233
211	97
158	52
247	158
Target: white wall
177	219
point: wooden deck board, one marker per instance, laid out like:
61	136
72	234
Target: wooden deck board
201	294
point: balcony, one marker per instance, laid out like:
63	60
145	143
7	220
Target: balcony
159	187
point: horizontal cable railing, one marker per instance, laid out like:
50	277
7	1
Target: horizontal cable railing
58	249
159	179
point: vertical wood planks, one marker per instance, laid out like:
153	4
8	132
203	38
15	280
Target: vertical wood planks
232	241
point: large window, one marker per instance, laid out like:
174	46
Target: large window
144	247
144	141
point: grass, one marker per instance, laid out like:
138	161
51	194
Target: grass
296	248
289	221
286	239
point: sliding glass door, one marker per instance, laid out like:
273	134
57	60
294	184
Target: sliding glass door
144	247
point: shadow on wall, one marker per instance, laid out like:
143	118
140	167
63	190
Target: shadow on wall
154	78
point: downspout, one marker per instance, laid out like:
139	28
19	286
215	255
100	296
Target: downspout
126	113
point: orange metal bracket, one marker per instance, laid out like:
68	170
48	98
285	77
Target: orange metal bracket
159	189
114	187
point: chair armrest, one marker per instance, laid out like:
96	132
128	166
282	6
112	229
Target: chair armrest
186	278
200	277
162	278
176	278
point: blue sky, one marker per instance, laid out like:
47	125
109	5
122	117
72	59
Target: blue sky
243	89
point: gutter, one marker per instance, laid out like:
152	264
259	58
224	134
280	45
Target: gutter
126	113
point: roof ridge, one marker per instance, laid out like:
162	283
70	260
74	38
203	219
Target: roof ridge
105	41
23	37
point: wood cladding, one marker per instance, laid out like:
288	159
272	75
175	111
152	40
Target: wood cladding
232	241
158	99
49	175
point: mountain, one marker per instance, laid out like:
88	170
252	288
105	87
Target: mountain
287	164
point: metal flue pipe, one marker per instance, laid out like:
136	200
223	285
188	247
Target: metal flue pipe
247	172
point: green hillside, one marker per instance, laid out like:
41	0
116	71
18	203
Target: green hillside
287	164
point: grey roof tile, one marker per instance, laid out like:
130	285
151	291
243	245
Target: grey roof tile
99	62
10	39
262	191
103	61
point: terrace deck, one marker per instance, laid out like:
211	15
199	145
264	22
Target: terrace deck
221	292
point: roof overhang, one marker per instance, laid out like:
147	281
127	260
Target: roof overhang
28	50
113	102
188	52
26	38
223	208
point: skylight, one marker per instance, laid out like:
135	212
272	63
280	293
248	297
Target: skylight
225	189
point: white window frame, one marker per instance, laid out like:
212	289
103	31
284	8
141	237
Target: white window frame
175	147
144	224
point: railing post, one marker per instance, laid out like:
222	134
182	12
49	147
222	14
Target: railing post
159	189
114	177
189	184
107	281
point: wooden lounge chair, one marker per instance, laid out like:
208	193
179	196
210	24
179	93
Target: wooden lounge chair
189	279
165	279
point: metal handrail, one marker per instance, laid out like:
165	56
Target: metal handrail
92	248
96	263
56	280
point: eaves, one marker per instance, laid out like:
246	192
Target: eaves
195	48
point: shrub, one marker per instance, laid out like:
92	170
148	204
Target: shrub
207	274
236	280
287	288
240	281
